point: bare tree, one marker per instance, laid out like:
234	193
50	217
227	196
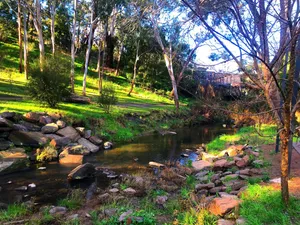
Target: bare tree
53	12
254	28
73	46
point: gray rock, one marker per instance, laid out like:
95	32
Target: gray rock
95	140
29	139
110	212
82	171
8	115
58	210
114	190
19	127
32	117
87	134
60	142
201	165
201	174
30	126
161	200
124	215
14	160
5	122
90	146
5	144
104	198
130	191
49	128
69	132
45	120
73	217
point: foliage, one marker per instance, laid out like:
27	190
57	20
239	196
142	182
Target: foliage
108	98
189	163
51	85
185	193
49	153
194	216
13	211
191	181
264	200
73	200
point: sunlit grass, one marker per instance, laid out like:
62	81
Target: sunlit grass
265	134
263	205
12	212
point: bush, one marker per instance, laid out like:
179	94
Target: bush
50	85
47	154
108	98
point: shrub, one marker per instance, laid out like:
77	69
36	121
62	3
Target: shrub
73	200
47	154
51	84
107	98
12	212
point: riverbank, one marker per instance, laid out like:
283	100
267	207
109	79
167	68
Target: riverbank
177	194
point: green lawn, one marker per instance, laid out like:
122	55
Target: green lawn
12	84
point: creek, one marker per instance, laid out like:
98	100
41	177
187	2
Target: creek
52	184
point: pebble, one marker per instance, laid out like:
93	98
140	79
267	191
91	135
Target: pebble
124	215
32	185
42	168
9	182
22	188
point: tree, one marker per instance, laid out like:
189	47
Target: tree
52	13
20	36
250	29
25	42
73	46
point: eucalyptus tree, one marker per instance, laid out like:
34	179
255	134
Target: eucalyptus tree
265	33
73	45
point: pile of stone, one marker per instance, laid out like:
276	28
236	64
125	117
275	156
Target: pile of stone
36	130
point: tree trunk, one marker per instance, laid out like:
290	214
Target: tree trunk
119	59
103	60
25	43
53	25
99	67
135	67
286	133
87	55
20	36
73	48
38	26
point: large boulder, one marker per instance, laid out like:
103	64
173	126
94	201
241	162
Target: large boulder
28	139
13	160
222	206
201	164
90	146
49	128
69	132
60	142
83	171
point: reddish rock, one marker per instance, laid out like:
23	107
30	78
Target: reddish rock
229	164
255	171
220	164
236	184
246	158
204	186
217	189
244	172
241	163
222	206
201	164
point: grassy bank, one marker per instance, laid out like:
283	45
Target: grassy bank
256	135
143	107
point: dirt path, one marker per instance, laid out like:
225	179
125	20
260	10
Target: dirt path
274	170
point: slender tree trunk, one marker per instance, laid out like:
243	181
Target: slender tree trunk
135	67
20	36
103	59
73	48
38	26
87	55
25	43
119	59
99	66
53	25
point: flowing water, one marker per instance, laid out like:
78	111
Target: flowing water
51	184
